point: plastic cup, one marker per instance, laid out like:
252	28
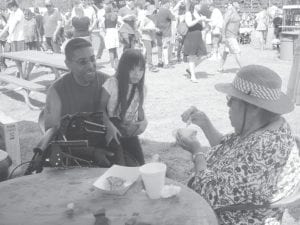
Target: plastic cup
153	175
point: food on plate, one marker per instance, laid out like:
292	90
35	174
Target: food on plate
115	183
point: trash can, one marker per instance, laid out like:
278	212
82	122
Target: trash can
286	46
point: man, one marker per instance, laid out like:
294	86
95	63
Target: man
78	91
127	31
230	32
40	27
14	27
100	16
216	23
52	21
164	24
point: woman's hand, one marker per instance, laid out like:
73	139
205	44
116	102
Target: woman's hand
200	119
185	116
187	139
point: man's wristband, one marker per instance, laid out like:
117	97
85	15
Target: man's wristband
194	156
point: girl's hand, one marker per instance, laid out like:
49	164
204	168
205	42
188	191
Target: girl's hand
112	133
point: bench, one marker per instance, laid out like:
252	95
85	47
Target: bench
26	87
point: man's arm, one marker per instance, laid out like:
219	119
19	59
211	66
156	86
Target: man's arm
58	26
112	131
52	110
171	16
227	17
5	29
93	22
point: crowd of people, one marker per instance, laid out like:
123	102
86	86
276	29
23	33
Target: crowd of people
239	174
181	30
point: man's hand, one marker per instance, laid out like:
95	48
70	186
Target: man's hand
35	165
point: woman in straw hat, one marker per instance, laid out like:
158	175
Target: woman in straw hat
242	173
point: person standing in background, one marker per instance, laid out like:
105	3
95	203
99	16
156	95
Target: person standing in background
230	33
262	27
81	24
100	16
127	30
164	24
111	35
3	40
147	29
40	27
90	12
30	37
30	30
14	27
180	34
193	46
216	23
52	21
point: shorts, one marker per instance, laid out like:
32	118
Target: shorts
17	46
166	42
232	46
216	39
159	40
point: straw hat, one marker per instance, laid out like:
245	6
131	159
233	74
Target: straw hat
260	86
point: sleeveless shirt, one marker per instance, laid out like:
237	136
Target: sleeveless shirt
75	98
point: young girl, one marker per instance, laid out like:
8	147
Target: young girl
123	98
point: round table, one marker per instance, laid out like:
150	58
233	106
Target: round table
43	199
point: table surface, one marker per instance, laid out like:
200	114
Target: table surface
43	58
43	199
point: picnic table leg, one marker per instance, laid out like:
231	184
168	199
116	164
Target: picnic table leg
19	65
28	67
25	93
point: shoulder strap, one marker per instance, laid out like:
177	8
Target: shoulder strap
132	92
141	115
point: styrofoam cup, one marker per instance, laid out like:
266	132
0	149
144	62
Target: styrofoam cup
153	175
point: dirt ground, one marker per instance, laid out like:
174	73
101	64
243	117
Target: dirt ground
169	93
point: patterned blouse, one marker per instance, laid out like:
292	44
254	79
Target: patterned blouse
111	86
258	169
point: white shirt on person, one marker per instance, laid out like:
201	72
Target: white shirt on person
216	20
15	26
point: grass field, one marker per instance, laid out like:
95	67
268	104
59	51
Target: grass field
169	93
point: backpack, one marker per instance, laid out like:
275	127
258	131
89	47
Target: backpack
182	28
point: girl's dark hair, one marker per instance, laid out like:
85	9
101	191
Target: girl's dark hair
130	59
74	44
